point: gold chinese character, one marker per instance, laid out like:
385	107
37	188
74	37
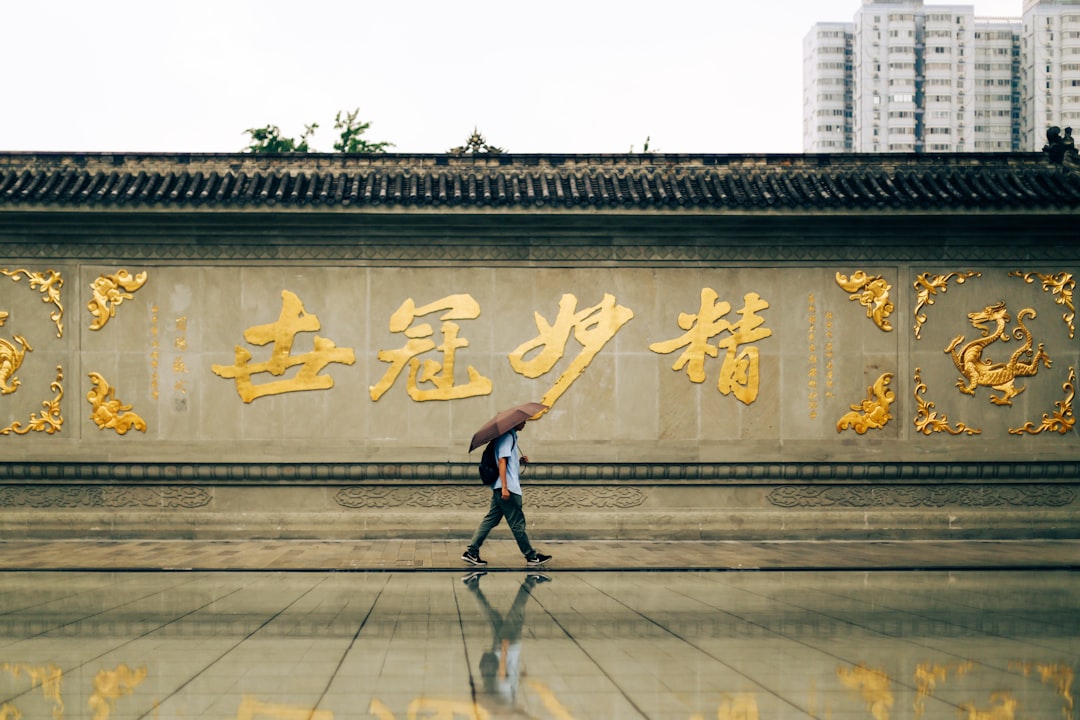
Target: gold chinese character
593	327
292	320
179	366
180	343
441	375
739	372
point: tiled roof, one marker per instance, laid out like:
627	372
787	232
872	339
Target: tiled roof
714	183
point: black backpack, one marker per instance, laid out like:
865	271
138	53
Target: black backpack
489	464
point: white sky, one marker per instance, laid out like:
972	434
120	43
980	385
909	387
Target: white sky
595	76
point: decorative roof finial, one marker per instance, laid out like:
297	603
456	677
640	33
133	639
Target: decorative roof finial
476	145
1059	146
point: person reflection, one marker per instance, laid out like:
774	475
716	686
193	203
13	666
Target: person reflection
500	667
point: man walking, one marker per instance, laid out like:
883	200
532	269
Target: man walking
506	502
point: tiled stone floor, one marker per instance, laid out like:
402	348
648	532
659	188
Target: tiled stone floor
503	555
585	644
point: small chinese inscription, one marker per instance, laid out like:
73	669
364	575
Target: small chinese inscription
155	352
179	368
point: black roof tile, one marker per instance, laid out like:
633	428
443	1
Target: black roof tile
527	182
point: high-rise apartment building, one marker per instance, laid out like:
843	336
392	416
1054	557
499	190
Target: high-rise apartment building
1050	73
827	88
909	77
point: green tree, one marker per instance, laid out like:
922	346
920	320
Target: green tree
268	140
351	129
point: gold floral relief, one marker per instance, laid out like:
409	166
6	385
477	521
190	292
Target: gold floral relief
108	291
872	292
50	421
109	413
873	412
927	286
927	420
1061	421
1061	286
978	370
11	359
47	283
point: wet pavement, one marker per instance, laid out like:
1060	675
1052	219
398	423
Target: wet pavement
560	645
588	642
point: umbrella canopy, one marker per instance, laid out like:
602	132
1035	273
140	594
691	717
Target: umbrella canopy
504	422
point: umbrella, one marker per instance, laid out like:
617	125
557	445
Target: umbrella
504	422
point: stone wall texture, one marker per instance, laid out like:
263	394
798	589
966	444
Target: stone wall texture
169	369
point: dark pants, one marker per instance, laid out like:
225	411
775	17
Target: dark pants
515	518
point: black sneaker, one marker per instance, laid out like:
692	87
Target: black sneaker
535	578
472	580
537	559
473	558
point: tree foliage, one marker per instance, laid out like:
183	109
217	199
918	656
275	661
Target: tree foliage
351	129
268	139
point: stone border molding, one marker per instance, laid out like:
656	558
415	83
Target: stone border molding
923	496
542	497
67	473
164	497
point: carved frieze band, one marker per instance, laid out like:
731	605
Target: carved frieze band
586	474
916	496
633	254
164	497
452	497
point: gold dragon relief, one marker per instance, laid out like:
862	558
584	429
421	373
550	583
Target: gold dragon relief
980	365
982	361
11	359
978	370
